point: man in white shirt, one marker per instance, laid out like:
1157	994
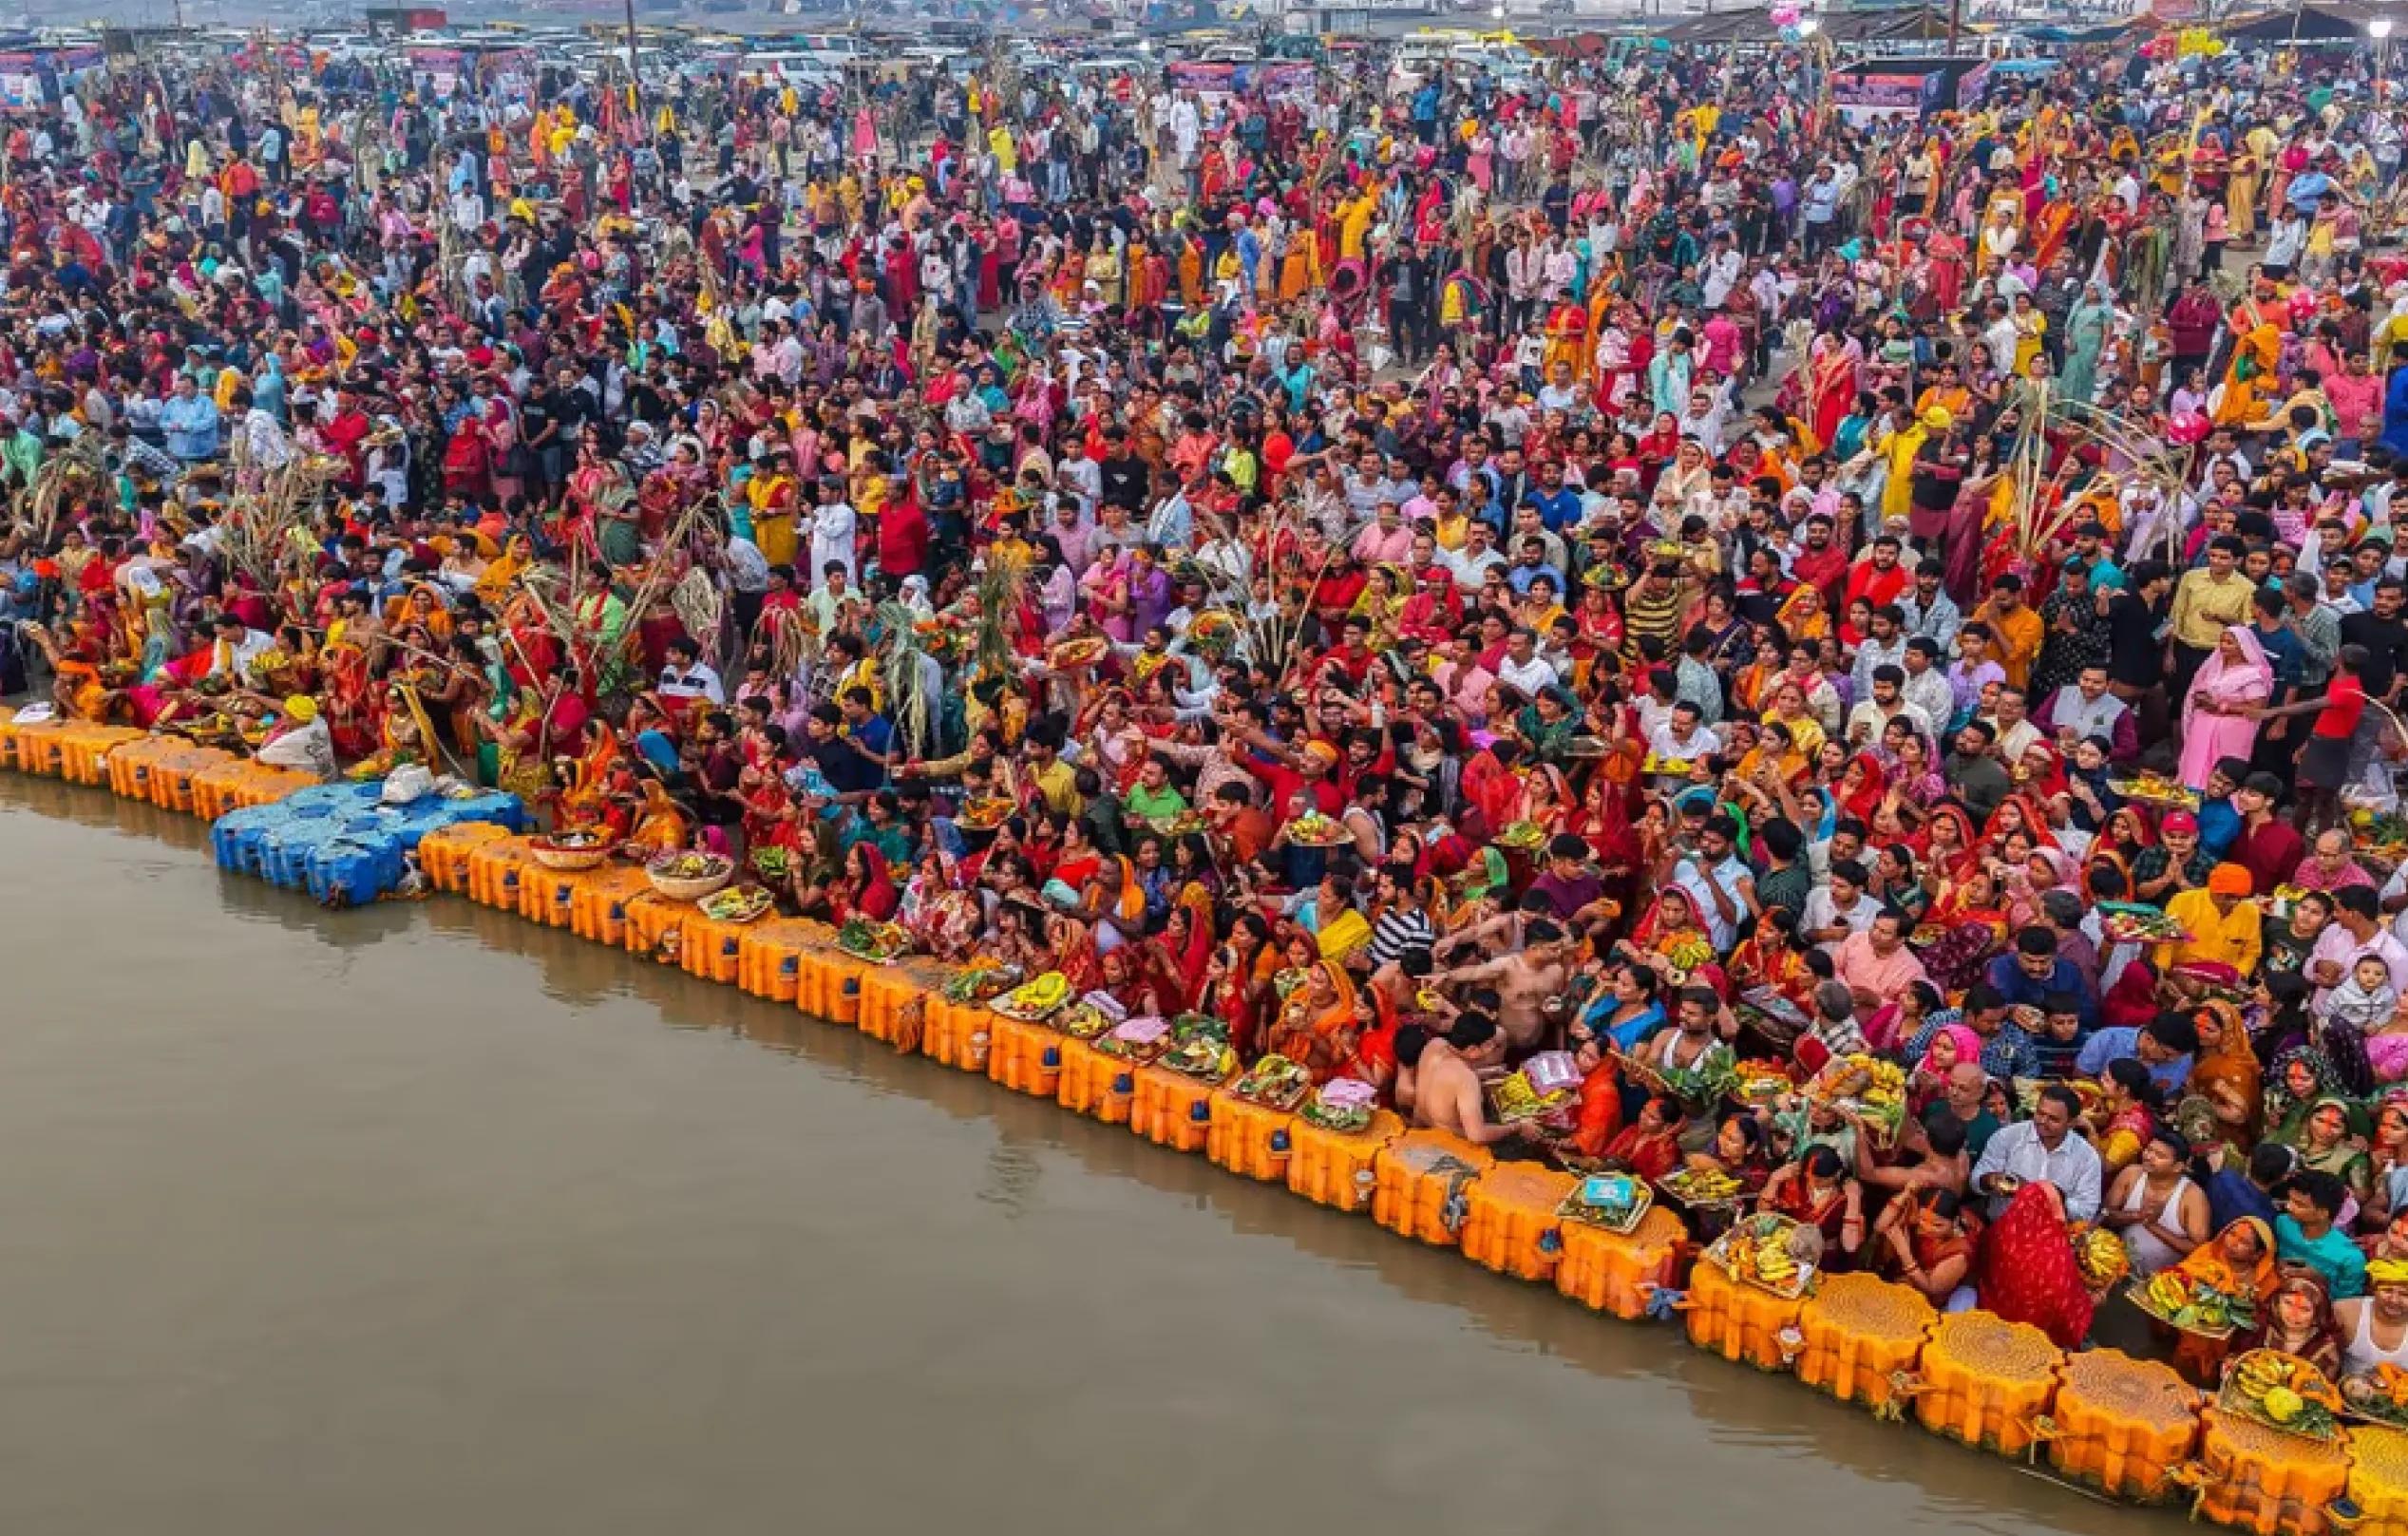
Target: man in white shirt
1838	907
1524	669
689	677
1684	738
2042	1149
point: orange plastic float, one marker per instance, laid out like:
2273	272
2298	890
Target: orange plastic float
2379	1480
1987	1381
1739	1320
548	897
171	779
1171	1108
1090	1083
444	853
2122	1426
657	928
769	957
889	993
1511	1226
1862	1334
599	910
1336	1167
130	765
216	789
495	870
711	948
1025	1057
37	749
84	753
1418	1184
1616	1273
958	1035
9	731
1247	1138
828	984
2259	1479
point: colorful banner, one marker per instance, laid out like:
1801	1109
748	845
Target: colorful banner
1862	98
1269	77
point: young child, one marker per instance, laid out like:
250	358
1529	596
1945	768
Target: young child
2367	999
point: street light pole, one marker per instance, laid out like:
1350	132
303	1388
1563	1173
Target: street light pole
2380	29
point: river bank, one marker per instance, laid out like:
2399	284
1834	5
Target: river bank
329	1243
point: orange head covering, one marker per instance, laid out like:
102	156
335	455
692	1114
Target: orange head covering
2229	879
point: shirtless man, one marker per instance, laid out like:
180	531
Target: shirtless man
1525	981
1700	1022
1448	1093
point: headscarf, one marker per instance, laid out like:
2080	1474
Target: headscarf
2026	1271
2206	1264
2230	683
878	899
2133	1000
1968	1044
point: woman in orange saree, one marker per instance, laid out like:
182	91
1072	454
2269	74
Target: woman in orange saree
584	800
1319	1026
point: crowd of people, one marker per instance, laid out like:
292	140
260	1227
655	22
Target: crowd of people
1635	566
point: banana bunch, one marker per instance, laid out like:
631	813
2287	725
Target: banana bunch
1514	1095
2167	1292
2101	1257
2260	1372
1774	1265
1046	994
1704	1186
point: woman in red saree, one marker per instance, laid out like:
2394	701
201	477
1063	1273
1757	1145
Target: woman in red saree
1181	952
1832	369
1133	978
2026	1272
1237	984
1860	786
1072	944
868	888
1650	1145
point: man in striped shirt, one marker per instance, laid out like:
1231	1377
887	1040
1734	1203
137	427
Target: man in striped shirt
1403	923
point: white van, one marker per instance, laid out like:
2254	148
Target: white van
832	50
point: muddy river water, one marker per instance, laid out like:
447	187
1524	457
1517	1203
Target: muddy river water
422	1220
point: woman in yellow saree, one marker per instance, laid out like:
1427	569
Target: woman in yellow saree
494	583
661	823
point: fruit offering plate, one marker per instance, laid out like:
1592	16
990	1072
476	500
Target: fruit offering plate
1702	1190
1274	1083
1873	1089
982	980
1616	1202
876	942
2187	1306
736	905
2127	924
1343	1105
2281	1392
1033	1001
1757	1252
1315	831
1512	1100
2156	789
2377	1396
1138	1040
1521	835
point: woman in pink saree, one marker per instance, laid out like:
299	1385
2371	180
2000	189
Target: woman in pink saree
2218	719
